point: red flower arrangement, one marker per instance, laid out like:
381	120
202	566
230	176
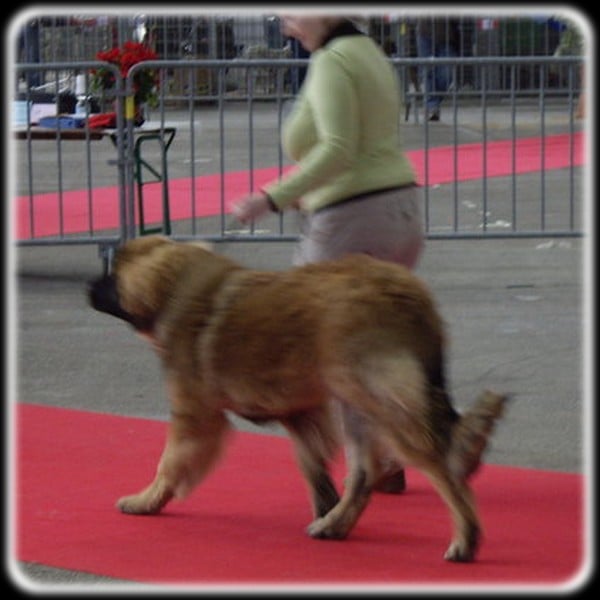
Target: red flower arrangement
145	81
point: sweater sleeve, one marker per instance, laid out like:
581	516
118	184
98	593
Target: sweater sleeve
334	106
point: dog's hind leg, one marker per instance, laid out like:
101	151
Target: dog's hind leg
419	421
469	438
340	520
315	441
459	498
192	447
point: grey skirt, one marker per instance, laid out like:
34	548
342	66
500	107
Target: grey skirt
386	225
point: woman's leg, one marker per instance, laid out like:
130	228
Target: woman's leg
387	226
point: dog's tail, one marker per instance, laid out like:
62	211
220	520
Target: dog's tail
471	432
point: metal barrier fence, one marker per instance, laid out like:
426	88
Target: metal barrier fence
77	37
226	144
49	38
59	186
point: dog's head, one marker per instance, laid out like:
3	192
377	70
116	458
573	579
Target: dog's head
144	275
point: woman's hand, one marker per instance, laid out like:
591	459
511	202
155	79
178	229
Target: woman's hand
252	207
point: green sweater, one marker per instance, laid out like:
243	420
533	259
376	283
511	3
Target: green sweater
343	132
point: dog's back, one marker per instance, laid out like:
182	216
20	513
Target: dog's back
301	328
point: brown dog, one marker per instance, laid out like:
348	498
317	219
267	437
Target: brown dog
356	335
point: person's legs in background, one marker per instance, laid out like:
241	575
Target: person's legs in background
425	49
442	79
436	79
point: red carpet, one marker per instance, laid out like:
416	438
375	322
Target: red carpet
530	155
245	524
469	158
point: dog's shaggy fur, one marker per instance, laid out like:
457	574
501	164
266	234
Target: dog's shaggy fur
358	336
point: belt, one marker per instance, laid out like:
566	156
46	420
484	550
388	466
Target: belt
364	196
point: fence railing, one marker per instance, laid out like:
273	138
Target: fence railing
60	196
502	163
47	38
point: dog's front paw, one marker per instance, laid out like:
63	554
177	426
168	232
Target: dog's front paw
147	502
136	505
324	529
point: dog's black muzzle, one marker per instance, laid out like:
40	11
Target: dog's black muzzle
103	296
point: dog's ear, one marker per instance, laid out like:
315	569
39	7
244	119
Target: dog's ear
146	271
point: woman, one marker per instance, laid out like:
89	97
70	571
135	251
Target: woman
353	182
